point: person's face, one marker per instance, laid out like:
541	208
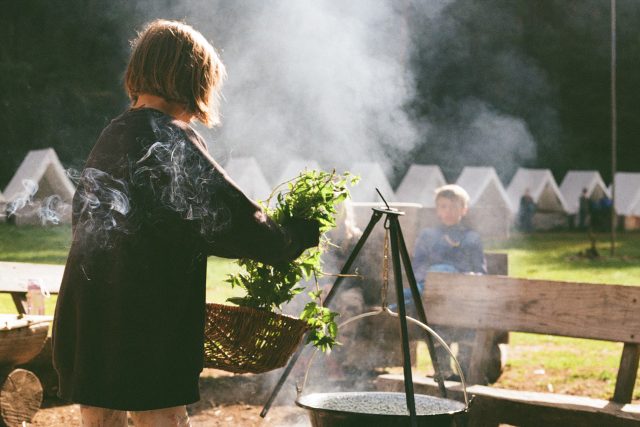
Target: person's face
450	212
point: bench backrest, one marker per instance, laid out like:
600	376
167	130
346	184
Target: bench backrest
582	310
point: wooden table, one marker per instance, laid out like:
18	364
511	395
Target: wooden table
14	277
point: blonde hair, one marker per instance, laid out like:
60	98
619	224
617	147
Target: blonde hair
453	192
172	60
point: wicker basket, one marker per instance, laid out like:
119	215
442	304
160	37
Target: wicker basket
247	340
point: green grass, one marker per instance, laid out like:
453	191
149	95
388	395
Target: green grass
42	245
554	256
535	362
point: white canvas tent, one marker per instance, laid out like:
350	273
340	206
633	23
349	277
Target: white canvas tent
419	185
371	177
551	208
3	205
43	168
627	198
575	181
40	177
246	173
490	211
293	169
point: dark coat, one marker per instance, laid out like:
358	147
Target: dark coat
151	205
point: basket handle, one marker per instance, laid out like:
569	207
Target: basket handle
427	328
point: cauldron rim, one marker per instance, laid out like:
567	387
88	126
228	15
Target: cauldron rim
300	402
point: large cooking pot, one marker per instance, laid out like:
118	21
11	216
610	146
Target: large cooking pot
379	409
383	409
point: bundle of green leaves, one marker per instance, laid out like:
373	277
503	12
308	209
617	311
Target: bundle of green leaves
312	195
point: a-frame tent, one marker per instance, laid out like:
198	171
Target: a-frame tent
42	168
372	176
551	208
39	181
627	198
246	173
573	184
3	205
490	211
294	167
419	185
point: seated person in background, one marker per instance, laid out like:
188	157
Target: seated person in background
450	247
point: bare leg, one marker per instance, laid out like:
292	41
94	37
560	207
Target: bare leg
166	417
91	416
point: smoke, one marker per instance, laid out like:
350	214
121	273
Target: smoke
483	137
482	98
172	178
49	210
183	181
102	202
25	198
322	80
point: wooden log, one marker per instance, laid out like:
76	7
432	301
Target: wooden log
42	366
21	339
20	397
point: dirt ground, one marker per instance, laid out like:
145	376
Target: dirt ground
226	400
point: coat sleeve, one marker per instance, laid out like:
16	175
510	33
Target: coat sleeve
193	196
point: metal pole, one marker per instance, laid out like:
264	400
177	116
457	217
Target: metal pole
417	299
406	356
375	217
614	128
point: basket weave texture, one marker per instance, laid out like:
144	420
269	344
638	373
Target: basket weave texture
247	340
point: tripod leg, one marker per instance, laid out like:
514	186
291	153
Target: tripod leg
406	356
375	217
415	293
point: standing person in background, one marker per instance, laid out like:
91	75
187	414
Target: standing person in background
150	206
606	210
583	209
526	211
451	247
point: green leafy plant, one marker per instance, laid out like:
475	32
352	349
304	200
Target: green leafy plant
312	195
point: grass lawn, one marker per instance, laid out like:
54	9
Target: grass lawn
535	362
553	256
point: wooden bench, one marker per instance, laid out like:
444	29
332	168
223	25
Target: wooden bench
23	340
580	310
14	277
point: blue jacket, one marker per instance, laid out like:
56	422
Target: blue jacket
456	246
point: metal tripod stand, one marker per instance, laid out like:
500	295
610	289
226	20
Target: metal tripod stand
400	258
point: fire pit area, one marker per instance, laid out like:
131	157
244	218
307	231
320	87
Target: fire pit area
380	409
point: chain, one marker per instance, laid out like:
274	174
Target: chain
385	268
